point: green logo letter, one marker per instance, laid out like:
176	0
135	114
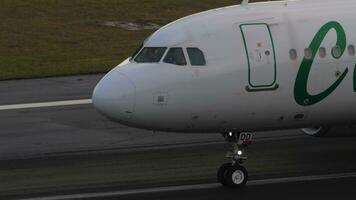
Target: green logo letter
301	94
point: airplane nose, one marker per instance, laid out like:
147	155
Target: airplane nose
114	96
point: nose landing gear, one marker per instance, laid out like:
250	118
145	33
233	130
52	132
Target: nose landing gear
233	174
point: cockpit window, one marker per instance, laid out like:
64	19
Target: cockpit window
150	55
136	52
175	56
196	57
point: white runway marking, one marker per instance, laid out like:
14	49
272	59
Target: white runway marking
196	187
45	104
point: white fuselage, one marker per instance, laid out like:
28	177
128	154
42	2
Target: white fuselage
273	65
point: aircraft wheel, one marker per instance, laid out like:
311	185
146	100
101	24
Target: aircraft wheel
236	176
221	173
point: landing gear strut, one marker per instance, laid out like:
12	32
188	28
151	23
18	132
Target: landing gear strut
233	174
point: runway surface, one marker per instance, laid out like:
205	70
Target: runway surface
65	150
326	190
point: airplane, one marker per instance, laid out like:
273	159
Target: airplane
241	69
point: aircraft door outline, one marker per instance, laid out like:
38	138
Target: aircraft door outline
261	57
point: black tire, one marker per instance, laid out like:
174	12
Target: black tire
236	176
221	173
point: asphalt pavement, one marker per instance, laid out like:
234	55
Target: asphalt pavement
45	152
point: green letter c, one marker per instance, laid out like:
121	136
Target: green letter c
301	94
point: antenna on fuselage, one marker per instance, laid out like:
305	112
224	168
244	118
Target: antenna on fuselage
244	3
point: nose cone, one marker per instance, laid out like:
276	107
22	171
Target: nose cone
114	96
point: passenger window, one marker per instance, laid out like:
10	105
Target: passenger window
351	50
308	53
175	56
293	54
322	52
336	51
196	57
150	55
